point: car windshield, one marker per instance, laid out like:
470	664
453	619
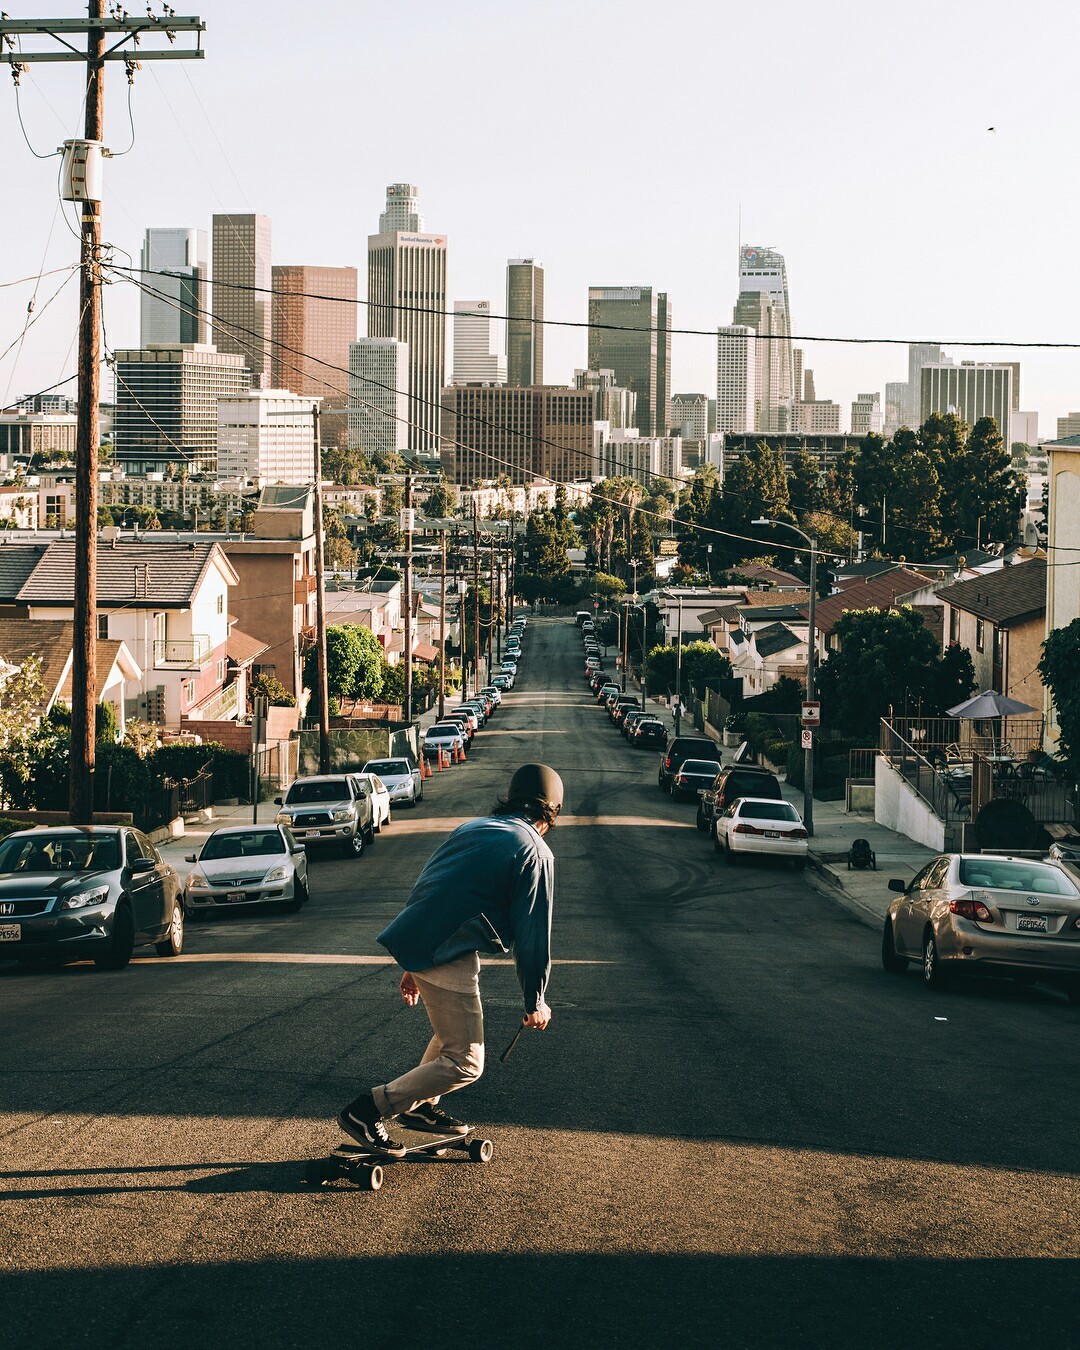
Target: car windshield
387	768
445	729
998	875
705	767
649	724
767	811
43	852
336	791
245	844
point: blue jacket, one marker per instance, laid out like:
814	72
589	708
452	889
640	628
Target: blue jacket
489	888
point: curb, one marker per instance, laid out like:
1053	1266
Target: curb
828	883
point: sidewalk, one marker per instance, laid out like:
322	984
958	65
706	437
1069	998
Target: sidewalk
174	850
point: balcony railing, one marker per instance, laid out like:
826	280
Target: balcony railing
221	707
185	653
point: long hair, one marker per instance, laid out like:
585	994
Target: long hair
533	810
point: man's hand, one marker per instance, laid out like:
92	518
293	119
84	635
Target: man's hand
537	1021
409	992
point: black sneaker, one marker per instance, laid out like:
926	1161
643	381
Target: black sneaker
428	1118
361	1120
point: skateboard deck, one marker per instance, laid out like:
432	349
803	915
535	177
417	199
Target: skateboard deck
364	1168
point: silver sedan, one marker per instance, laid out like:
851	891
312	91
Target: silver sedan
401	778
987	915
247	865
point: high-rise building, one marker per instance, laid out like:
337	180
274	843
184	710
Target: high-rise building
241	289
866	415
971	390
541	432
179	312
1069	425
809	389
816	417
268	434
474	361
690	416
763	305
626	454
737	369
617	407
628	333
314	320
797	372
524	322
402	210
407	301
166	406
895	403
919	354
379	396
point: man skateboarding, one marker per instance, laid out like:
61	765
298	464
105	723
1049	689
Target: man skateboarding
488	888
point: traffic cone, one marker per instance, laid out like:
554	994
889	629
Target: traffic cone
425	768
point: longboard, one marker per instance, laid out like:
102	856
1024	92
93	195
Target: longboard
365	1168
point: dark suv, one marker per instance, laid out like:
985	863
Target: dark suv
684	747
737	780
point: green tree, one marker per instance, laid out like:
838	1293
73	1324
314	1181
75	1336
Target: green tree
606	587
701	663
440	500
354	664
1059	669
273	691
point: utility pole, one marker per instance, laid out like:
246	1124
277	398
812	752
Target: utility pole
407	521
442	632
678	672
493	600
81	181
476	595
321	681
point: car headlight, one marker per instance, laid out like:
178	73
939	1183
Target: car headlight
283	818
342	815
83	899
197	882
277	874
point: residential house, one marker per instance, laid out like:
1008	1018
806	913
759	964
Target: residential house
1000	618
686	604
764	642
369	604
761	576
721	624
51	643
883	590
18	508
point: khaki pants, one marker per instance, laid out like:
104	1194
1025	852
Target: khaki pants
455	1054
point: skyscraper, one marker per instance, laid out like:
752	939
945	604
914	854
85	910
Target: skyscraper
180	313
266	433
971	390
866	415
313	322
527	433
764	306
736	378
407	301
241	289
474	361
402	210
378	395
629	334
919	354
524	322
690	416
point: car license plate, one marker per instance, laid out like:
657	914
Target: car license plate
235	897
1031	923
10	932
772	834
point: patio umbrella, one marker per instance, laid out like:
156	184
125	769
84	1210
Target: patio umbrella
990	704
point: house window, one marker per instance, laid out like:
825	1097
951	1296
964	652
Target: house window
980	635
189	692
954	625
103	627
220	672
221	604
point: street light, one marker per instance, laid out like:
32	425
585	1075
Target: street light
808	753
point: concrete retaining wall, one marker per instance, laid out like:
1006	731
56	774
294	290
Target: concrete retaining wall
898	807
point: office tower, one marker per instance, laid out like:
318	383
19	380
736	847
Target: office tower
524	322
764	306
179	312
241	288
314	320
971	390
617	407
407	301
526	433
628	333
166	406
737	369
1069	425
895	403
816	417
402	210
809	390
474	361
866	415
626	454
797	372
690	416
268	434
378	396
919	354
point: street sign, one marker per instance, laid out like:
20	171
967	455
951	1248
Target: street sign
807	738
811	714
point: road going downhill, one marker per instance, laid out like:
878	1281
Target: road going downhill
738	1131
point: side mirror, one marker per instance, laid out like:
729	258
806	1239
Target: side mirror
140	866
277	801
190	857
299	850
895	884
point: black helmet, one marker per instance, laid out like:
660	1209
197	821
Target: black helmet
536	783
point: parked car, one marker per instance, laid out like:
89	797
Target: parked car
74	892
621	708
493	692
986	915
631	719
649	731
597	678
461	719
380	798
401	777
606	691
502	682
446	736
471	715
690	777
762	825
737	780
247	865
581	616
684	747
329	809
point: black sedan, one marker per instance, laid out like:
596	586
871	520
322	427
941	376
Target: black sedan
95	891
649	731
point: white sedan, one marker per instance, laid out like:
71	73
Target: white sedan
247	865
760	825
380	799
401	778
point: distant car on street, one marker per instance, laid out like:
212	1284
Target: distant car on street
443	736
648	731
242	865
325	809
763	826
684	747
401	778
380	798
730	783
690	777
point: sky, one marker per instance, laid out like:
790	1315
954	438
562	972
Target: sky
618	144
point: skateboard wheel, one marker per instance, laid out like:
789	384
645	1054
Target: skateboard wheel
481	1150
439	1152
373	1178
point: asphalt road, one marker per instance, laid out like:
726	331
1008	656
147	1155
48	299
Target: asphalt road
738	1131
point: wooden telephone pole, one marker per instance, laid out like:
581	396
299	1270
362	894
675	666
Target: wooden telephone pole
81	176
322	683
408	654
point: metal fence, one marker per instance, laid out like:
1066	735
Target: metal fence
861	764
1014	735
197	794
157	807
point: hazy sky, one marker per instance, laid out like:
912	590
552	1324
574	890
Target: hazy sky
616	143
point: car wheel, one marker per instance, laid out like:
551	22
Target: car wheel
376	825
660	783
934	974
371	831
718	846
702	823
121	941
730	856
354	845
890	960
299	898
173	944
